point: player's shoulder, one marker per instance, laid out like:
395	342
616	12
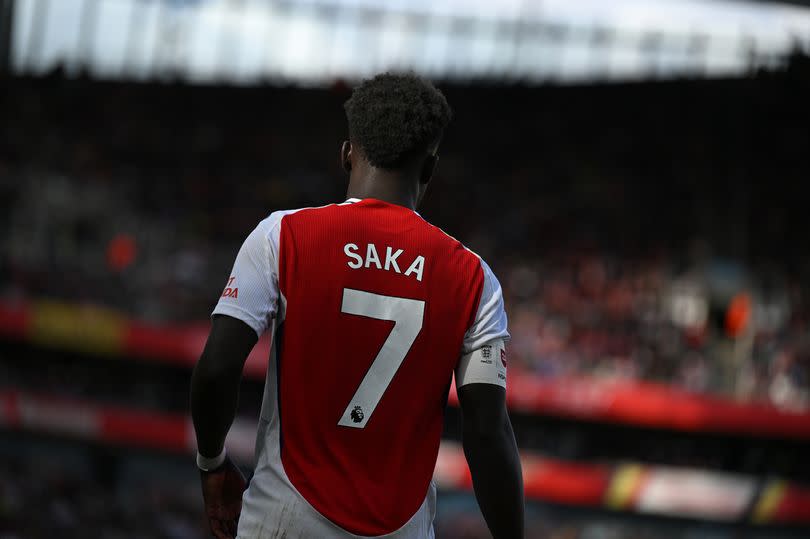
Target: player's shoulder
279	216
449	243
458	257
273	221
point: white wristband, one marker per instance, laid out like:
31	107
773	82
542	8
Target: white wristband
207	464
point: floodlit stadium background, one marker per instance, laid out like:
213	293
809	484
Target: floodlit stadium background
634	171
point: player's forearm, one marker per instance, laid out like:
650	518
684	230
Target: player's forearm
215	382
497	478
214	399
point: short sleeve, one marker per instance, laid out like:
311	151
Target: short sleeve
490	318
251	292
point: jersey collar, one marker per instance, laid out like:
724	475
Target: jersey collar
353	200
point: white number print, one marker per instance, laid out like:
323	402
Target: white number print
407	315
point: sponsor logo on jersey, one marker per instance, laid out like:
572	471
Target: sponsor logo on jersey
230	290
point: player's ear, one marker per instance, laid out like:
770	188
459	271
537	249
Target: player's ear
346	156
428	167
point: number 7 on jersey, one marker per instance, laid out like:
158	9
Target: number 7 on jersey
407	315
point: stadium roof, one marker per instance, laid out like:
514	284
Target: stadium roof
316	41
804	3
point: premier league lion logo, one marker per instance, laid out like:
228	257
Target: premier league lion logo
357	414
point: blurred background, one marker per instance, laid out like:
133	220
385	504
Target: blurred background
634	172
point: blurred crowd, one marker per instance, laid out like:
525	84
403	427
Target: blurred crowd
46	499
668	250
715	326
42	499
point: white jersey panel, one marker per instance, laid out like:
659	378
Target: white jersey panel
483	351
490	319
251	293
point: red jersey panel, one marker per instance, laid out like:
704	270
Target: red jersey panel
375	303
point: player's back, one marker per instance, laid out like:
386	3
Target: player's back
370	308
377	302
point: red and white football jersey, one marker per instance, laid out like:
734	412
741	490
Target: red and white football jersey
372	310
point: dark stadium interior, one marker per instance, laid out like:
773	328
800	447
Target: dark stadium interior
621	251
596	223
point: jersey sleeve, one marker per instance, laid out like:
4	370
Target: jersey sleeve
490	318
251	292
483	353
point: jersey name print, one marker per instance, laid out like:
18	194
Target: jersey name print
372	311
373	259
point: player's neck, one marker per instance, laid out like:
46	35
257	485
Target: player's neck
383	185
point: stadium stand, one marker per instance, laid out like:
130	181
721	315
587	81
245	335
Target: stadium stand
656	278
608	243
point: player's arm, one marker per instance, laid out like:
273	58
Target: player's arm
489	443
214	397
215	382
243	313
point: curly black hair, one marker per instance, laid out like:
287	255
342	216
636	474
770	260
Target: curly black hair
395	117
